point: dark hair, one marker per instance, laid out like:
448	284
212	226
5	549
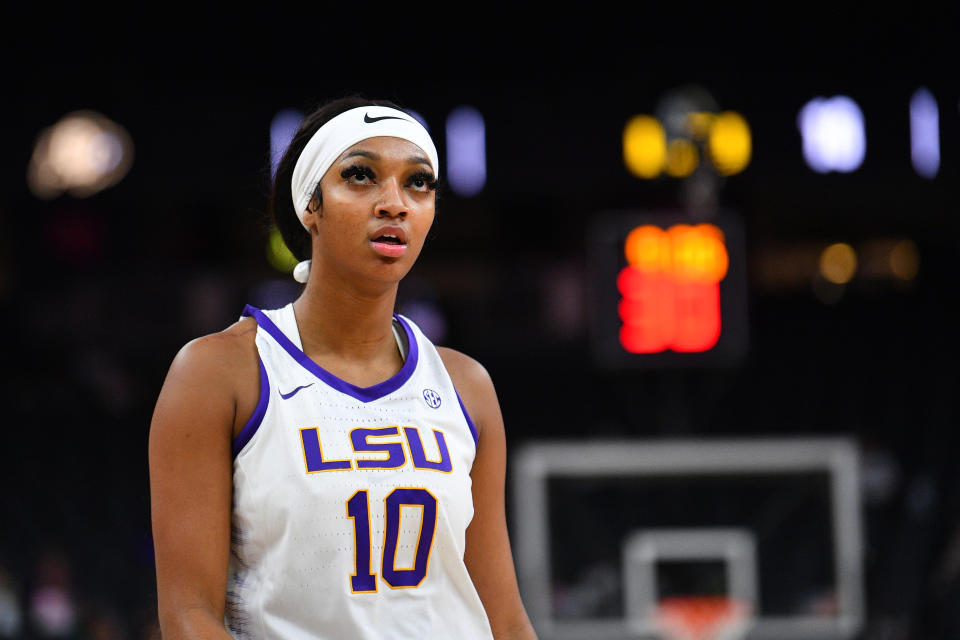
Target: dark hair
281	208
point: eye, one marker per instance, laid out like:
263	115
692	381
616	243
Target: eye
422	181
358	173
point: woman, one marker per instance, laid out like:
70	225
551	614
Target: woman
322	470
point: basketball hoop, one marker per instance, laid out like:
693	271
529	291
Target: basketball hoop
703	618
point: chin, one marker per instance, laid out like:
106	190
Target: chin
389	273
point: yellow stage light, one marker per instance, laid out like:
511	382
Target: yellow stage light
838	263
729	143
644	147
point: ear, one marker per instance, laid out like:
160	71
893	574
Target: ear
313	213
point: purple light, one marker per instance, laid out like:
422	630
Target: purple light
282	129
428	317
274	293
419	119
466	151
833	134
924	133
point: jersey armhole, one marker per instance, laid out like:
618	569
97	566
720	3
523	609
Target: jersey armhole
473	428
254	422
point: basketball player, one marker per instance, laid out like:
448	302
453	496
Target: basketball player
322	470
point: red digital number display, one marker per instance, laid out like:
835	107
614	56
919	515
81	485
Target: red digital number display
670	288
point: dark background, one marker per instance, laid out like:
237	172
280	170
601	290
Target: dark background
98	294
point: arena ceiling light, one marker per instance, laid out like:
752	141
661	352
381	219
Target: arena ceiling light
644	147
419	118
466	151
833	134
83	153
282	129
924	133
838	263
688	137
729	142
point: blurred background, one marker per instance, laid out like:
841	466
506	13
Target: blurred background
813	153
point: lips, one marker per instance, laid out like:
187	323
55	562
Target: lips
389	241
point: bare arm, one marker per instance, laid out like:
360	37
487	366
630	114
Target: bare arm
488	557
191	484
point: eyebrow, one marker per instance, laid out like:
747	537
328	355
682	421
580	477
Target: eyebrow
414	159
363	153
419	160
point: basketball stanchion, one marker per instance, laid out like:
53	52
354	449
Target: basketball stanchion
703	618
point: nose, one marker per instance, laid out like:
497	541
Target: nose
391	202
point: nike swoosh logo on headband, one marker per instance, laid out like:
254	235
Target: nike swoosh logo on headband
368	119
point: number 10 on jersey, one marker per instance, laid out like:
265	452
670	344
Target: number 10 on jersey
363	579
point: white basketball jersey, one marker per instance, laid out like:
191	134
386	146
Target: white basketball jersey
351	504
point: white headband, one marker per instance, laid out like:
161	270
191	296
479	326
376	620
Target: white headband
344	131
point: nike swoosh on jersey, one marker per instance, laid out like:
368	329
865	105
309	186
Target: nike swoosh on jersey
287	396
368	119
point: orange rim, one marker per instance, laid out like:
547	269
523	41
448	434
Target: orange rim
698	617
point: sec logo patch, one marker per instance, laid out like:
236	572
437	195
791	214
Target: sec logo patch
432	398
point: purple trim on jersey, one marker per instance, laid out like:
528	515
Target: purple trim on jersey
254	422
473	428
363	394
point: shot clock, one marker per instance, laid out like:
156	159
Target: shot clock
667	291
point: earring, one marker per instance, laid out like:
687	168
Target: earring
301	272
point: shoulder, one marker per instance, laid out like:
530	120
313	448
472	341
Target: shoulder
474	385
463	369
214	375
219	353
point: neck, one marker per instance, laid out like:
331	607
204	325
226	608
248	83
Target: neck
334	318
